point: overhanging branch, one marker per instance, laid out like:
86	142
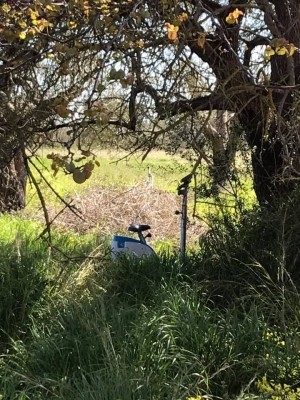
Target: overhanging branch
213	101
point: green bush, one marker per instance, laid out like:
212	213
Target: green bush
257	250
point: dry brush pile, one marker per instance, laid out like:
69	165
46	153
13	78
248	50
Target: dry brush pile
110	210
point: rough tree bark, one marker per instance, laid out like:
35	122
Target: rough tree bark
269	130
224	146
13	184
13	172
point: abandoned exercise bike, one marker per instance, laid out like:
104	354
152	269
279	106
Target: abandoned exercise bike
140	248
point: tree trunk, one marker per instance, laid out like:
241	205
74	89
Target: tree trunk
268	112
13	184
13	172
217	135
267	166
268	158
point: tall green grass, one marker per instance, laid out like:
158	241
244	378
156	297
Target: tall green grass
162	339
29	268
223	324
179	347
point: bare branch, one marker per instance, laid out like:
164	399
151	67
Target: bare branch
270	17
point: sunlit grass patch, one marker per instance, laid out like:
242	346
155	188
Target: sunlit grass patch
115	170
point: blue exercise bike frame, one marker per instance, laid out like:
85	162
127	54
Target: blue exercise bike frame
139	247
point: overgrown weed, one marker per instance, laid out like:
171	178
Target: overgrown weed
222	324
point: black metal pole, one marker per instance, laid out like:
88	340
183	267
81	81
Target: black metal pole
183	191
183	224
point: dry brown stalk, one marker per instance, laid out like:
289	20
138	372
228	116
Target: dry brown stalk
110	210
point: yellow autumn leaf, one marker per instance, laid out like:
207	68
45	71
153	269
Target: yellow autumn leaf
290	49
22	35
104	8
47	23
236	13
183	17
5	8
32	31
22	24
140	43
33	14
281	51
43	23
269	51
172	35
172	31
233	17
72	24
230	20
201	39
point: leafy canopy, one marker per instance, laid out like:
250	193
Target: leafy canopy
147	69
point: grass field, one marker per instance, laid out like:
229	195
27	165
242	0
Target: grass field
77	327
114	170
223	324
120	192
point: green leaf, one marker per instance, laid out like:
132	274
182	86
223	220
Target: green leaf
100	88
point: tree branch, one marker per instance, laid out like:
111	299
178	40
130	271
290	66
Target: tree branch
257	41
271	19
213	101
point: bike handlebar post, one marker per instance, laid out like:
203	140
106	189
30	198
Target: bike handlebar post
142	238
